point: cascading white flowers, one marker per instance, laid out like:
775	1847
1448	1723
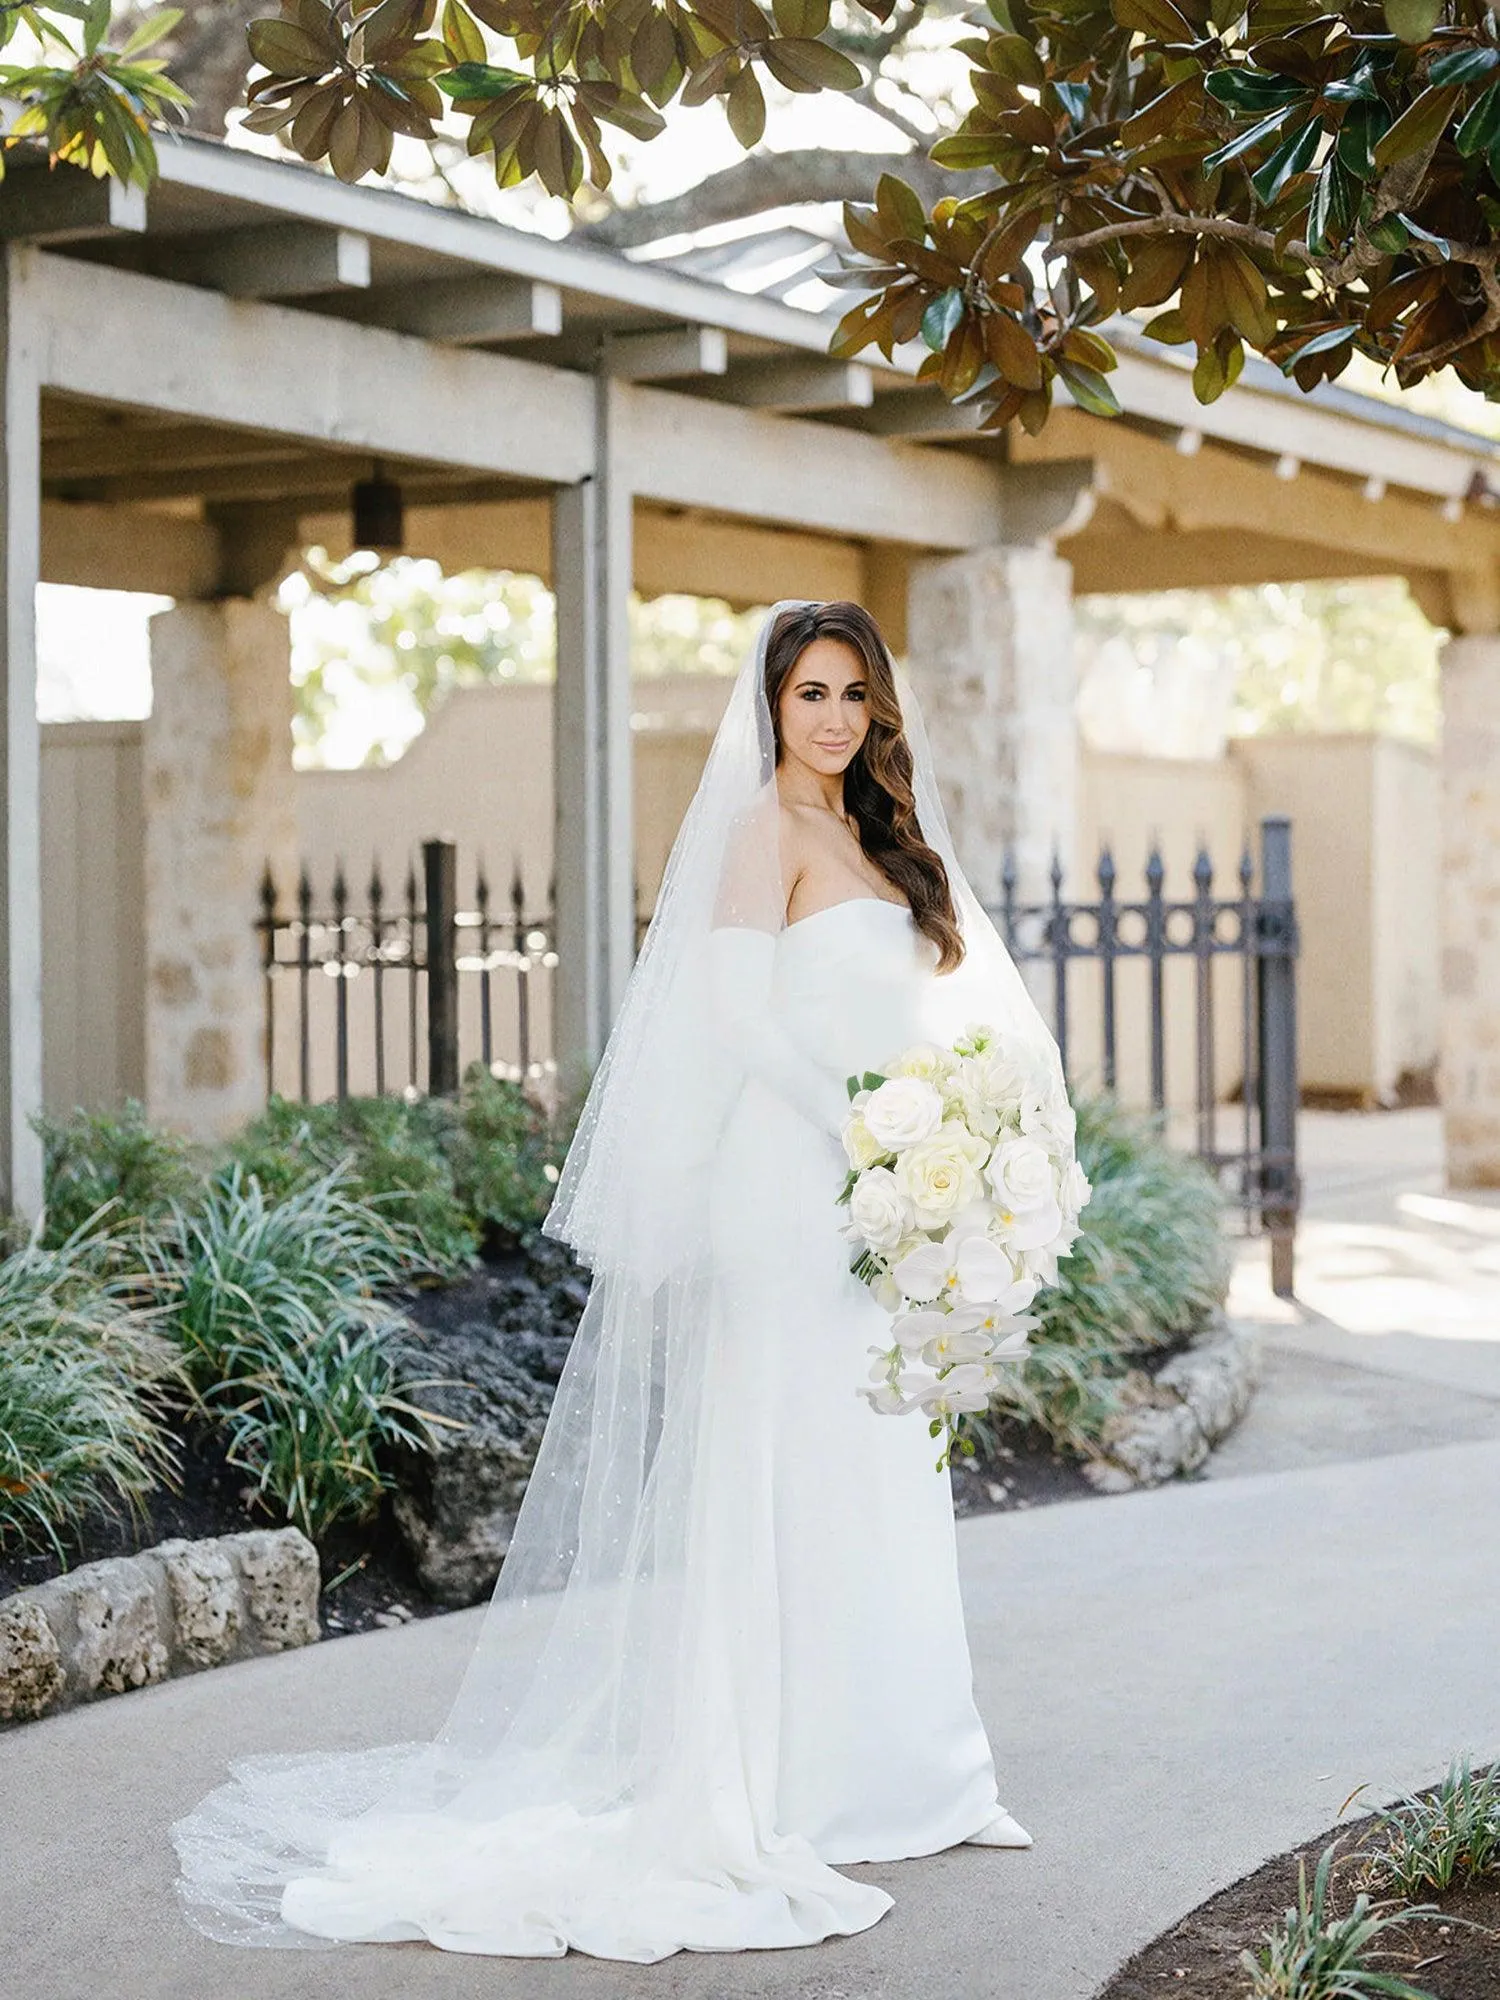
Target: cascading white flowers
963	1192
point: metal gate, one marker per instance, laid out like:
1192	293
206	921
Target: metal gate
1252	1147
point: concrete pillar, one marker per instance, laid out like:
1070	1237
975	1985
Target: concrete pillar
20	751
217	779
990	653
593	763
1470	1065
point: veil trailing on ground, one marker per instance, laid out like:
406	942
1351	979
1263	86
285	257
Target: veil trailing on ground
589	1786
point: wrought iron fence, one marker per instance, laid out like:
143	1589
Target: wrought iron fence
1250	1142
400	994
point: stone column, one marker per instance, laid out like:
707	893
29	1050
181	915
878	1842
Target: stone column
990	652
1470	874
217	780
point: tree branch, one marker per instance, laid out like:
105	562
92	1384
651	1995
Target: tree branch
770	180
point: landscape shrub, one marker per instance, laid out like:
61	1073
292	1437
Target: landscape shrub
1151	1266
505	1154
85	1382
395	1153
114	1160
271	1301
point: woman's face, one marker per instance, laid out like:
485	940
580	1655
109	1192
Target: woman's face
823	713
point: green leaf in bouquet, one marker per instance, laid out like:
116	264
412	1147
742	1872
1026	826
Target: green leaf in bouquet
872	1080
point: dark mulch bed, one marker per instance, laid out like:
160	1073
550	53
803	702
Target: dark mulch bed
1199	1957
368	1578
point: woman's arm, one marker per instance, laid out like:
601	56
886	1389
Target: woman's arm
740	973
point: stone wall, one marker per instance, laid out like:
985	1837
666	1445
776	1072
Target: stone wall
131	1620
1470	1072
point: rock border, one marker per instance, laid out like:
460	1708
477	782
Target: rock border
1171	1421
128	1621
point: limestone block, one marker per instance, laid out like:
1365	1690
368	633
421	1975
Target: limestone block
279	1570
1168	1424
118	1641
31	1669
207	1614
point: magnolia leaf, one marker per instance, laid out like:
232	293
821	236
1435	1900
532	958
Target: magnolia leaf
1320	343
1246	141
941	317
1463	65
1252	90
1012	350
1419	127
1156	271
804	18
1412	20
1089	389
1363	124
1293	156
462	34
286	49
1480	126
805	65
1169	327
472	79
900	208
745	107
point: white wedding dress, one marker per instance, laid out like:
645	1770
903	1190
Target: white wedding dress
726	1652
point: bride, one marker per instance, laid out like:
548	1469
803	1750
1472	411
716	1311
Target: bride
726	1652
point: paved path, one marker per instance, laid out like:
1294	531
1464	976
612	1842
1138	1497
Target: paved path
1177	1684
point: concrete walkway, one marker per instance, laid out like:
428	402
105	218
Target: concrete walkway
1177	1685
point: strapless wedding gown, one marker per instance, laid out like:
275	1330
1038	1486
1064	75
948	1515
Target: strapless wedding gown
824	1697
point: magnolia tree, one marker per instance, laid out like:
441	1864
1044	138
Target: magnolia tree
1266	175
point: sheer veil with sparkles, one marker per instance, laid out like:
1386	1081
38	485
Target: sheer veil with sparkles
603	1685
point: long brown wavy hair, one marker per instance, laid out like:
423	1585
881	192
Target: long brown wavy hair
877	782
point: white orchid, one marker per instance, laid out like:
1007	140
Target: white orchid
887	1399
971	1270
962	1391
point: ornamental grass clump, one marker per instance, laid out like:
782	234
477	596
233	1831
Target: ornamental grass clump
1150	1265
272	1305
85	1383
1314	1955
1441	1839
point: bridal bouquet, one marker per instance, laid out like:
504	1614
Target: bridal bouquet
963	1192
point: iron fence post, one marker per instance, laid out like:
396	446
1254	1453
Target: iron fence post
1276	995
440	872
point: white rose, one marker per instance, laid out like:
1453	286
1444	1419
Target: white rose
1047	1116
1021	1175
878	1209
925	1060
1073	1189
861	1148
940	1176
904	1111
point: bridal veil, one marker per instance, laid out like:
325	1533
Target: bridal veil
594	1740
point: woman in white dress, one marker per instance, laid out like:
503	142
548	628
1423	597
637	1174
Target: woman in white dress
726	1651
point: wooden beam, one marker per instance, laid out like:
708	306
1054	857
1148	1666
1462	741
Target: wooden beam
466	311
1213	489
301	375
128	548
21	1186
275	260
661	357
801	385
112	450
821	477
64	204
